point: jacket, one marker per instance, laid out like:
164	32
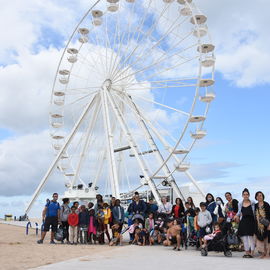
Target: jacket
73	219
118	214
137	208
204	219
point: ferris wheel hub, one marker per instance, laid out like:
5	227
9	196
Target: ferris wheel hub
107	84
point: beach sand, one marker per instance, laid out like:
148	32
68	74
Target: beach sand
21	251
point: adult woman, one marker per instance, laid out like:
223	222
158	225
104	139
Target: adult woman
262	211
231	207
178	210
190	201
246	229
211	205
64	212
165	208
220	210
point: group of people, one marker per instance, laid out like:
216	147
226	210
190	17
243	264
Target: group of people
166	224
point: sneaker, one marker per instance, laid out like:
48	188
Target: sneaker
52	242
40	241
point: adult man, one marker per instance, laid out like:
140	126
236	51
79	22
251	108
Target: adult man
173	235
137	206
51	218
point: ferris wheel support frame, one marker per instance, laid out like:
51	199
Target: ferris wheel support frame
159	156
109	138
57	158
167	145
86	144
133	146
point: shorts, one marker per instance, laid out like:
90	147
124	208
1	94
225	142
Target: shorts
202	232
50	222
173	240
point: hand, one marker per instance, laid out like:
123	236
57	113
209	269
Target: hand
59	222
236	219
268	228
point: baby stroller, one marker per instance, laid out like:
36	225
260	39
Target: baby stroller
218	244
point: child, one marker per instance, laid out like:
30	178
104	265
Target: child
216	233
100	227
107	215
150	223
173	236
117	236
139	237
155	237
83	224
73	220
92	229
132	229
204	221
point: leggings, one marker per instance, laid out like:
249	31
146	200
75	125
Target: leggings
249	243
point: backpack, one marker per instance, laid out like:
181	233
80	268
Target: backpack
65	211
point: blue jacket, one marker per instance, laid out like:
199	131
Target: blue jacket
118	217
211	208
139	208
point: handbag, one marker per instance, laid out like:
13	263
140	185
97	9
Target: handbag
264	221
59	235
232	239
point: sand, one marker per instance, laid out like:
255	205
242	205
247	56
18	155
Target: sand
21	251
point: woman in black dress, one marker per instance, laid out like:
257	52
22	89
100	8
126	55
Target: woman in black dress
262	211
246	228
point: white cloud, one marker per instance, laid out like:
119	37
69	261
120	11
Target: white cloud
239	31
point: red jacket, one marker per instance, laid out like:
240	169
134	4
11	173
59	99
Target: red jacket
73	219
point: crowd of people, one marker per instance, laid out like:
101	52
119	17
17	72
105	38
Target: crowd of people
178	225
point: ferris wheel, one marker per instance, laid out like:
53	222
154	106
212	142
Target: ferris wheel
130	97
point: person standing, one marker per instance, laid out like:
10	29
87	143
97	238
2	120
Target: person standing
231	207
51	218
73	220
262	217
178	210
211	205
246	230
118	214
64	212
220	210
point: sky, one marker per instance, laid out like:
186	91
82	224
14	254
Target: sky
232	156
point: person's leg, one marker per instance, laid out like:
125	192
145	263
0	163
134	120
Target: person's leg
246	244
251	244
178	241
71	234
107	232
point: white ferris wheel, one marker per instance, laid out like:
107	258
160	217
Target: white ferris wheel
130	97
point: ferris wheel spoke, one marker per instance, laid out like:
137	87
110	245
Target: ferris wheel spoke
90	65
159	61
120	43
162	105
170	68
80	99
145	51
131	37
151	29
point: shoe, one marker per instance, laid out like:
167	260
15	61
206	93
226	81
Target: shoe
174	248
52	242
40	241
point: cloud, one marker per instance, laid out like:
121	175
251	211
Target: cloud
210	171
238	31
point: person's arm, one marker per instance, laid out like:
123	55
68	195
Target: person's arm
44	213
169	208
59	216
209	218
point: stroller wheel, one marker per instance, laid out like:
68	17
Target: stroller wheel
204	252
228	253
